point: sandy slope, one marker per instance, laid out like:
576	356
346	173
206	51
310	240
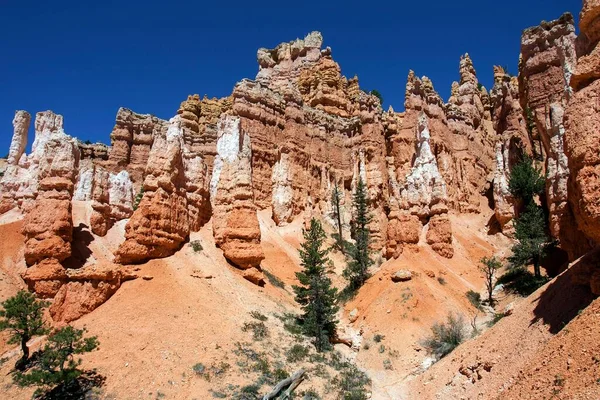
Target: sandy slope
191	308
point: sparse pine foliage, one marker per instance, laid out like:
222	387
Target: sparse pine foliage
57	365
316	294
138	199
376	93
488	267
526	181
530	231
22	316
336	198
357	270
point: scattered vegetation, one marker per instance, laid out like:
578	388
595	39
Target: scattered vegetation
275	281
56	364
317	296
378	338
474	298
494	321
445	337
196	246
521	281
387	364
352	383
297	353
138	199
357	270
488	267
87	141
441	280
259	330
257	315
22	316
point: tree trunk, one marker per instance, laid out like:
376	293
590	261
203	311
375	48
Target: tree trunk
291	383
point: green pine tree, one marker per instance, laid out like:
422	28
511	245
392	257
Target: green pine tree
526	181
316	295
22	316
57	365
336	198
357	270
530	231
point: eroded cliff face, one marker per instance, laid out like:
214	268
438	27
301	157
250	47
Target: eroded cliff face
548	61
284	140
581	129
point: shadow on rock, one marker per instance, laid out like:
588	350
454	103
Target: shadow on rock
567	294
82	237
79	389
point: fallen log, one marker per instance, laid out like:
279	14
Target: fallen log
291	383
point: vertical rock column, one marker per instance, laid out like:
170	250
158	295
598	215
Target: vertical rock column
161	222
235	223
10	182
48	226
582	128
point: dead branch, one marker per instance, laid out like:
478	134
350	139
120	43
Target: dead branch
291	383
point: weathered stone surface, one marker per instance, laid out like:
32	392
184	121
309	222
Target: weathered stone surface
402	275
131	141
582	124
511	142
235	223
548	61
19	140
48	226
161	223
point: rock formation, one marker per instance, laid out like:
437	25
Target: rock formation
511	142
161	222
48	226
131	141
235	223
19	140
582	126
548	61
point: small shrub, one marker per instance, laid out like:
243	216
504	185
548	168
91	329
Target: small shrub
445	336
87	141
387	364
196	246
280	374
249	392
378	338
218	395
366	345
297	353
275	281
474	298
257	315
441	280
199	369
494	321
138	199
352	383
309	394
259	329
381	349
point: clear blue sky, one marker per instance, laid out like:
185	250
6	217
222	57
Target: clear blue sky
84	60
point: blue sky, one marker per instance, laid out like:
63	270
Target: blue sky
84	61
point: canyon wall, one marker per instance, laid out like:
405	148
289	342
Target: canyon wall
284	140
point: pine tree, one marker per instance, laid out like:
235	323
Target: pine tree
530	231
337	215
489	266
357	270
56	364
525	181
316	295
23	316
